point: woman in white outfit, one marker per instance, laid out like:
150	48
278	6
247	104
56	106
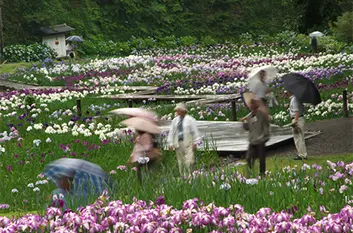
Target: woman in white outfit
183	138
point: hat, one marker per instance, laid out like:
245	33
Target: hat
181	107
247	97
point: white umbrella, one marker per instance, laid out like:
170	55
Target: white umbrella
254	76
135	112
75	39
316	34
142	124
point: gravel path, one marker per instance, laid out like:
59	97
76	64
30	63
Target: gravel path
336	138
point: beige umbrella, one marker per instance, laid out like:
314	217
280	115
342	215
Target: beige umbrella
136	112
142	124
247	96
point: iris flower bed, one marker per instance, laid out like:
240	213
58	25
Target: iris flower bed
320	188
39	126
194	216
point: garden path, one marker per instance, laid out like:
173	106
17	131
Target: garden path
336	138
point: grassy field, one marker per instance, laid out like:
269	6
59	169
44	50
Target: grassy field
10	68
277	162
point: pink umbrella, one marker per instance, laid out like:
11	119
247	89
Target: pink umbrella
136	112
142	124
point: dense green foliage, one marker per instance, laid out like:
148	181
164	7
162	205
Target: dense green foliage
120	20
32	52
343	28
101	48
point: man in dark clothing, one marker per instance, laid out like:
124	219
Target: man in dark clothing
314	44
259	133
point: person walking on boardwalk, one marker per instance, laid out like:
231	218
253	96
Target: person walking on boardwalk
258	81
257	123
183	138
261	88
296	112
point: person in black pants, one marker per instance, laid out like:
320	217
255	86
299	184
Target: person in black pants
257	123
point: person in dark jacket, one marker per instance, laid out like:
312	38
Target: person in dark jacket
314	44
257	123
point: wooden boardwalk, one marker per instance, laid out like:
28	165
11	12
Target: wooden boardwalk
189	99
227	136
10	84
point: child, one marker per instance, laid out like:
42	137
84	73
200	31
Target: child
257	123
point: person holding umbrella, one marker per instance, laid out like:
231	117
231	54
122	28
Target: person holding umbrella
70	47
183	138
301	90
313	41
313	44
258	81
77	180
145	151
296	112
258	125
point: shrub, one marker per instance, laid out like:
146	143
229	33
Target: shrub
246	38
32	52
106	48
169	42
150	42
188	41
343	29
330	45
286	38
123	48
208	41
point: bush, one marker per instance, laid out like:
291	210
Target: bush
208	41
32	52
123	48
169	42
330	45
246	38
106	48
286	38
188	41
343	29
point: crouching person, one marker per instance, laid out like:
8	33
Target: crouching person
257	123
78	182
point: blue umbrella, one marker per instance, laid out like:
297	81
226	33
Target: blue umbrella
87	177
74	39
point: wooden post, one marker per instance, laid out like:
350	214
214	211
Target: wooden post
79	108
234	110
129	103
345	104
1	38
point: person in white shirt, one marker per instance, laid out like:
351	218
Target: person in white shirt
183	138
261	89
296	112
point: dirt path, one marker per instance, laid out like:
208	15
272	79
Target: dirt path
336	138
